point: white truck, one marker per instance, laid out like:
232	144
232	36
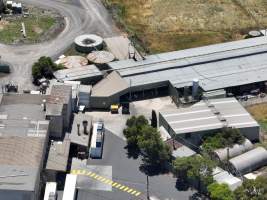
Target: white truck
97	140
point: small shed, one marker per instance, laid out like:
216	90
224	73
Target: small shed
236	150
249	161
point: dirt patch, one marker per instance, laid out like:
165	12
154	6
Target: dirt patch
259	112
3	24
166	25
40	25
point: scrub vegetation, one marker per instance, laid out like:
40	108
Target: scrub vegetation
166	25
259	112
37	24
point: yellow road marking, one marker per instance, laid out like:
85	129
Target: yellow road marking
129	191
114	184
138	193
106	181
102	179
95	176
133	192
122	187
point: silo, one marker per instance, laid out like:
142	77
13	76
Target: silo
235	150
88	43
249	161
195	88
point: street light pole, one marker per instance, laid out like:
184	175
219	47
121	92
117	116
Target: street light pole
147	188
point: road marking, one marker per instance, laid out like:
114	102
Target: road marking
114	184
138	193
106	181
122	187
92	174
129	191
133	192
103	179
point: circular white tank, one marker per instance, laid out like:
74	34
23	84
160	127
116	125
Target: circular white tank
100	57
88	43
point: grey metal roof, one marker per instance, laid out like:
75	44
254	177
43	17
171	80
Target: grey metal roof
201	117
21	178
58	155
77	73
81	139
250	160
110	85
235	150
216	66
221	176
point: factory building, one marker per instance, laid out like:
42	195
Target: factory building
88	74
23	143
189	125
229	68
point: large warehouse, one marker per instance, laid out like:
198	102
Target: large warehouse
208	117
238	67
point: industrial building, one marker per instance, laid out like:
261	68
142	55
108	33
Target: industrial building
27	122
229	68
192	123
88	74
249	161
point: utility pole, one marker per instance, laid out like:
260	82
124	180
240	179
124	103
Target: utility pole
147	188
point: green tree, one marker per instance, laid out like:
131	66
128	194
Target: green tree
220	192
227	138
195	167
44	67
134	129
252	190
154	151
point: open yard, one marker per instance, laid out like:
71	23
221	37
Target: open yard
37	24
166	25
259	112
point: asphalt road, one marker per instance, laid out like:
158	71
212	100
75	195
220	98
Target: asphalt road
126	171
81	16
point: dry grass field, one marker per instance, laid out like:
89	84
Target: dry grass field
166	25
259	112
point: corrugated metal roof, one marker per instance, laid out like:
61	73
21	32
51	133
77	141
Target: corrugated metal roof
110	85
216	66
77	73
201	117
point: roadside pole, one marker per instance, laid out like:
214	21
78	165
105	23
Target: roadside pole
147	188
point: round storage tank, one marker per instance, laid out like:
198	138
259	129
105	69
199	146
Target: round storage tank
100	57
73	61
88	43
249	161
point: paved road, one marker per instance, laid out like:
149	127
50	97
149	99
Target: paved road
81	16
126	172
